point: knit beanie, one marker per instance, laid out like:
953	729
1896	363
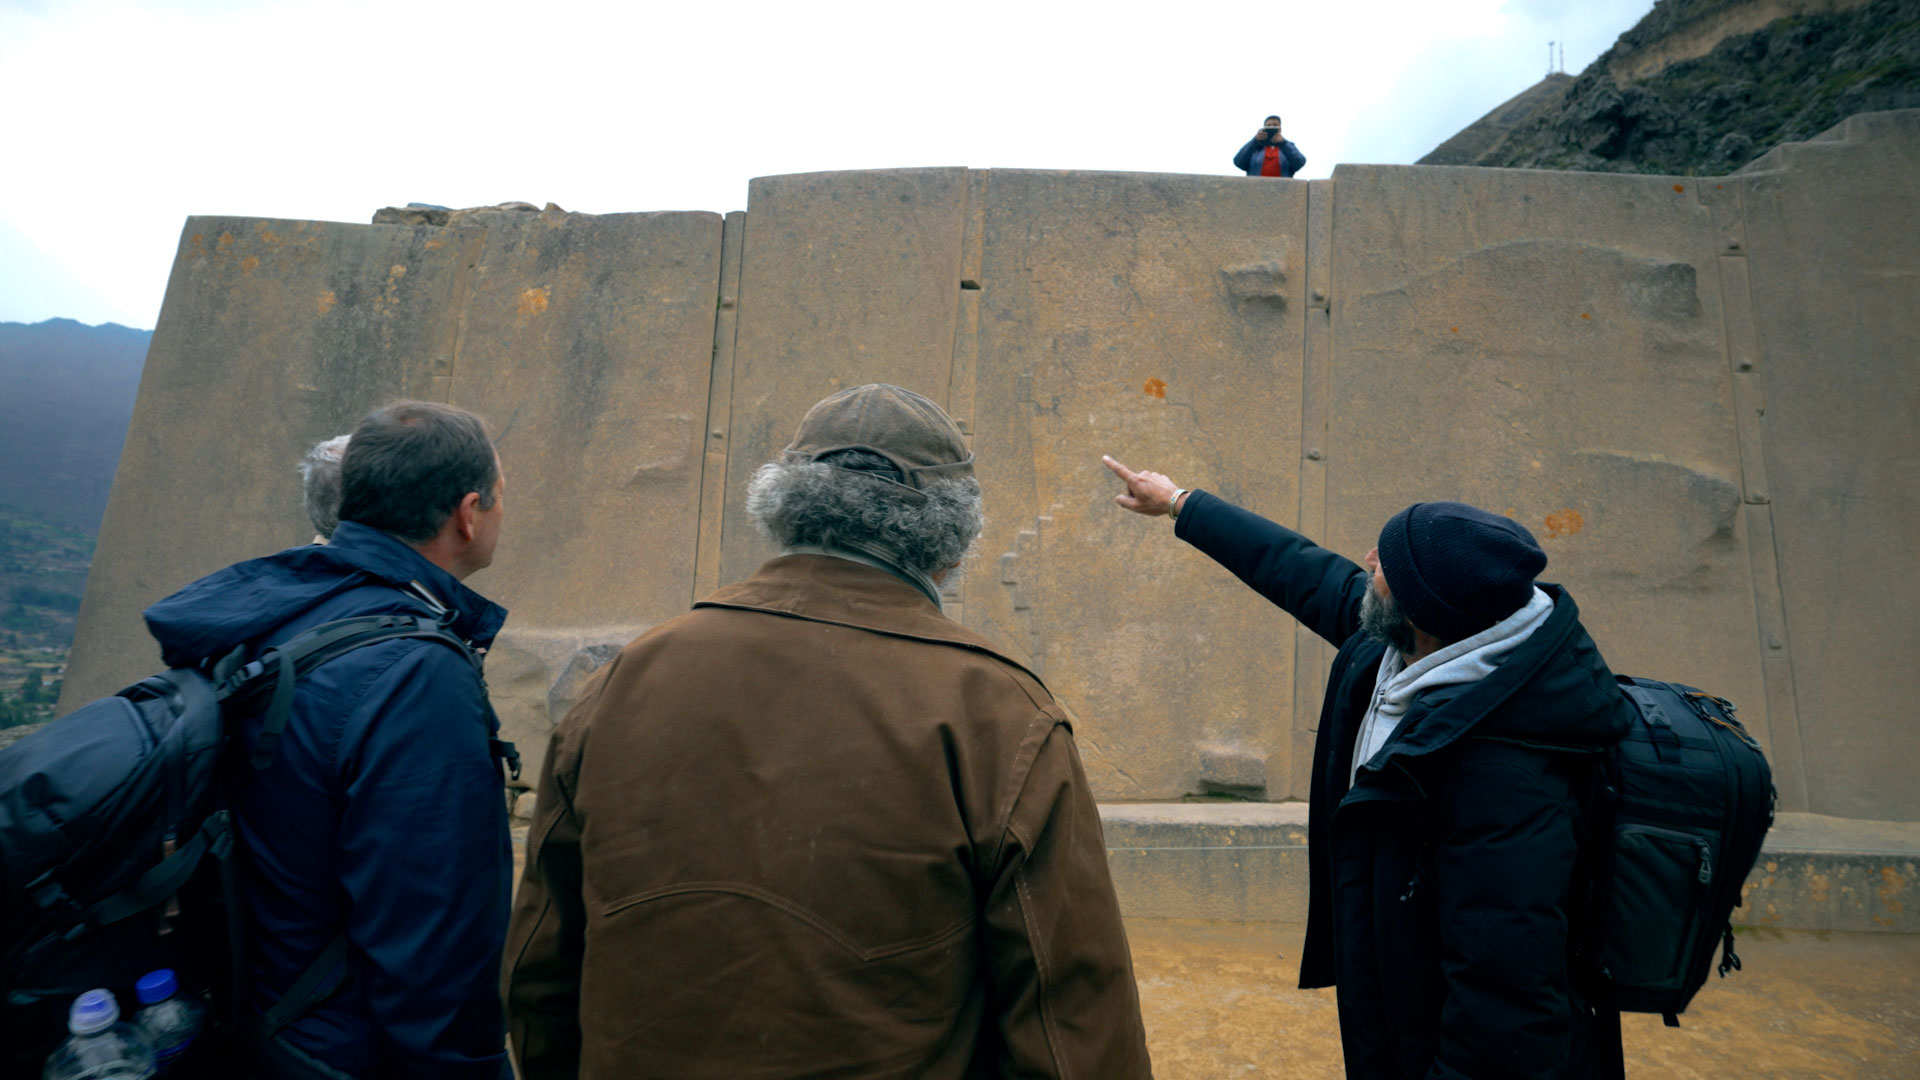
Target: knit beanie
1456	569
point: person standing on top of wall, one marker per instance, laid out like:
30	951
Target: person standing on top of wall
1267	154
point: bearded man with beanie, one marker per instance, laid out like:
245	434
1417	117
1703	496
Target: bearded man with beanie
1464	715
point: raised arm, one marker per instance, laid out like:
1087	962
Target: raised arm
1312	584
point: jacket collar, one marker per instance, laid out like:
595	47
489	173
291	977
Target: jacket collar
475	618
878	558
845	592
1440	718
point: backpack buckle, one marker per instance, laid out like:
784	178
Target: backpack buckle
51	898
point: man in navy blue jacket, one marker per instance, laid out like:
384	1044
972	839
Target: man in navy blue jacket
1463	717
380	819
1268	154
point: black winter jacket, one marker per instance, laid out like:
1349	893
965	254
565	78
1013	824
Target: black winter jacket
1443	878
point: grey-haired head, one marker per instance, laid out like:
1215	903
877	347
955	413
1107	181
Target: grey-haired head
877	465
320	483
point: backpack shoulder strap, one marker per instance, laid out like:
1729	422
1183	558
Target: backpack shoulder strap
317	983
282	665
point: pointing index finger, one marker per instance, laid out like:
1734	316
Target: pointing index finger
1119	470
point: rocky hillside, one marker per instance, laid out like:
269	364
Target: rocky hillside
1663	101
66	395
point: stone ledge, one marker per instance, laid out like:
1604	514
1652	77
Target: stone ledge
1827	873
1247	862
1231	861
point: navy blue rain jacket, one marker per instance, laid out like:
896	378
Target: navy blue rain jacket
381	816
1445	879
1249	159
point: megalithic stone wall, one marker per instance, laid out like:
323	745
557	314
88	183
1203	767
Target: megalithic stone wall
1699	393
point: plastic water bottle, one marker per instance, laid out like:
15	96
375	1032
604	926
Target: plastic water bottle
102	1048
168	1019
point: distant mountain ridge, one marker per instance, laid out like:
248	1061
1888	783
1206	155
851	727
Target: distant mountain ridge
1704	87
66	395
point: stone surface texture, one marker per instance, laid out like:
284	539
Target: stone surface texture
1699	394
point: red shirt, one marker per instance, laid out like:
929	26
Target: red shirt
1270	165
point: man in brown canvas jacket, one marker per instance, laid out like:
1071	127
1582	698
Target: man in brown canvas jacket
815	828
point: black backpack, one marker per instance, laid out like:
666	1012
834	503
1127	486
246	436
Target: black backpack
1684	801
117	850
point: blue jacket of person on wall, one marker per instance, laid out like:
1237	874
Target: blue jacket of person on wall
1254	160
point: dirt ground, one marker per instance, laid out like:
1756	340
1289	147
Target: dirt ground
1220	1002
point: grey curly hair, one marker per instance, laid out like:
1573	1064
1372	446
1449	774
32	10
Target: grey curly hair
320	483
811	503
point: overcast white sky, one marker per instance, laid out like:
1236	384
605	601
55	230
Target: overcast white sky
123	117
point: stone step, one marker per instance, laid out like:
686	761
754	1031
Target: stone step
1247	862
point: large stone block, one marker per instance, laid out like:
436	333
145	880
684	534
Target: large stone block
848	278
1550	346
1159	319
584	340
586	344
274	335
1832	229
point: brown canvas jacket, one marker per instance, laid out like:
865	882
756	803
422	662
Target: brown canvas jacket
815	828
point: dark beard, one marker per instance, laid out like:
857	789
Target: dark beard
1382	621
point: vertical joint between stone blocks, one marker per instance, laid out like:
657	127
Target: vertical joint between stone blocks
963	373
713	471
1744	361
1312	657
468	267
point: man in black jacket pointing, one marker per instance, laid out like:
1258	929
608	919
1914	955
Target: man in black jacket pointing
1463	716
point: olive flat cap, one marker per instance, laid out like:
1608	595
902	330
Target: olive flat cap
908	430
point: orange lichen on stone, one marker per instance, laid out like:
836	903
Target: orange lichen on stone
397	271
250	264
1455	330
225	241
1679	187
1585	315
1891	886
1157	388
1565	523
533	301
326	302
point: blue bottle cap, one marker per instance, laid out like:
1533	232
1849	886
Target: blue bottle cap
93	1012
156	986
